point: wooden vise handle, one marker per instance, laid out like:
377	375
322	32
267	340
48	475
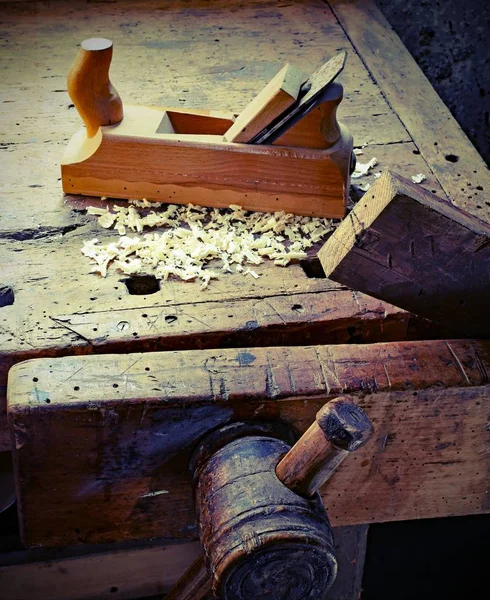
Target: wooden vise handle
340	427
89	86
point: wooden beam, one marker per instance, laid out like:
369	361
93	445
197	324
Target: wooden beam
135	570
459	168
101	443
406	246
277	96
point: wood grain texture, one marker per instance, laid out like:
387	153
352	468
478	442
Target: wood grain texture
129	162
41	232
112	434
134	571
407	246
139	569
276	97
452	158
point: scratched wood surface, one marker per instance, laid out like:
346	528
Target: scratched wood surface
101	443
178	54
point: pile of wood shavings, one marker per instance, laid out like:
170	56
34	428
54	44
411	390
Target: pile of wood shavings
193	236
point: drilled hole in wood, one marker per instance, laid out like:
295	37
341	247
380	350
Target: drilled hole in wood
7	296
298	308
452	158
312	268
170	319
142	285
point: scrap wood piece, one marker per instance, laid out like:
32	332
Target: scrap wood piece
314	89
102	442
406	246
277	96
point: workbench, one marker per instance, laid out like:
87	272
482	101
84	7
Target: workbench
199	54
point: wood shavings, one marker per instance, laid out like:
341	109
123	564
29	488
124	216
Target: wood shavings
358	151
363	169
419	178
190	237
363	186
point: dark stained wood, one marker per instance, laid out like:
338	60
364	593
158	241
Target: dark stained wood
127	571
117	431
350	547
406	246
340	427
223	459
137	569
260	539
194	584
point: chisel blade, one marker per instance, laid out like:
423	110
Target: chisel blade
312	93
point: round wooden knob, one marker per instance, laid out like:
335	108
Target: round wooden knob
90	88
264	530
260	539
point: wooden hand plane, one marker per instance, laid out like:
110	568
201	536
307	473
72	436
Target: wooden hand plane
180	156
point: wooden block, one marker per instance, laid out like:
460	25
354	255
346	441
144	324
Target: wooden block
101	443
406	246
277	96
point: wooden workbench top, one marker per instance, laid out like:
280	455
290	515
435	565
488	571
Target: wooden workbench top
196	55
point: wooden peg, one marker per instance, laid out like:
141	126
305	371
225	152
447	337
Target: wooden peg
90	88
276	97
340	428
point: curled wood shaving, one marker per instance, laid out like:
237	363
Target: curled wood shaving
363	169
419	178
190	237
